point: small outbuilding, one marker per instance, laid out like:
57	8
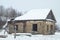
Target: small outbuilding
41	21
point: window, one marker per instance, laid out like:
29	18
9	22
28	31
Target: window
51	27
34	27
16	27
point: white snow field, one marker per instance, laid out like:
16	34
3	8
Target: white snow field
32	37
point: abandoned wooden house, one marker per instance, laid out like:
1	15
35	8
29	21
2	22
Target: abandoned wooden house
40	21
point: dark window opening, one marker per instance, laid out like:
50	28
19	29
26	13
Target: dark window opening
34	27
16	27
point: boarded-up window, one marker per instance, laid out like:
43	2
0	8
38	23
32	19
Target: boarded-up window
34	27
51	27
47	27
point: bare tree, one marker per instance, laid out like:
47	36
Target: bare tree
11	13
19	14
1	10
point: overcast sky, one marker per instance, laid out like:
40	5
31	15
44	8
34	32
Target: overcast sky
26	5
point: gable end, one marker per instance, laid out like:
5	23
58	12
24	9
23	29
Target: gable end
51	16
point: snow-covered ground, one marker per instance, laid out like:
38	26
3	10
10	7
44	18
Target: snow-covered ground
32	37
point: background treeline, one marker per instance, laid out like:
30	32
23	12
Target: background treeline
8	13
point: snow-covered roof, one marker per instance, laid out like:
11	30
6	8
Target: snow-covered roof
34	14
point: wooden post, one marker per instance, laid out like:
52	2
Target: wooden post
14	29
15	32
